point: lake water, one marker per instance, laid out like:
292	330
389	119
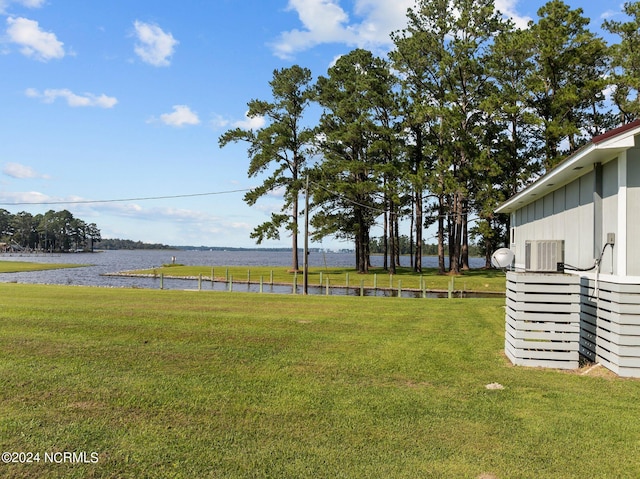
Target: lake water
106	262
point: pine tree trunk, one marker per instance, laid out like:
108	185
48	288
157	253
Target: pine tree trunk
411	235
361	250
488	249
392	238
441	265
367	248
385	235
418	256
397	231
465	239
457	235
294	236
451	233
417	264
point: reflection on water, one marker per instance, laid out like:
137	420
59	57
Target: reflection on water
100	264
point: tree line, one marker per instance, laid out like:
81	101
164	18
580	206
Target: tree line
406	247
117	244
54	231
464	112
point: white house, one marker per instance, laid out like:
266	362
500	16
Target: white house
591	203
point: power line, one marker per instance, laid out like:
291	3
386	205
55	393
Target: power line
146	198
347	199
380	210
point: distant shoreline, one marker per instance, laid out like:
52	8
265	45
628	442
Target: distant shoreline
279	250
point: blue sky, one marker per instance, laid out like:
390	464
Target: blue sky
125	100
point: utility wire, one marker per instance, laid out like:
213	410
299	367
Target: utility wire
147	198
192	195
348	200
375	209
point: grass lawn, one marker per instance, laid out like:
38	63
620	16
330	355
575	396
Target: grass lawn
479	280
236	385
23	266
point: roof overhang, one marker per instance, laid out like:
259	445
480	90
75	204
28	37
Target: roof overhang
602	149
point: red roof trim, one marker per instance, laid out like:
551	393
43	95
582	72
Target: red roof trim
615	132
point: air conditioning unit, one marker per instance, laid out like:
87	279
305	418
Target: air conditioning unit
544	256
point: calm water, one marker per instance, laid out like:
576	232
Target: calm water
116	261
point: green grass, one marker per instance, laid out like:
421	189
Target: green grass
479	280
23	266
236	385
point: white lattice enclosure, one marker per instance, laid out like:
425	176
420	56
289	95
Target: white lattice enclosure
543	319
610	325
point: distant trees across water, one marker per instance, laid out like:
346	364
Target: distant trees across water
116	243
54	231
407	246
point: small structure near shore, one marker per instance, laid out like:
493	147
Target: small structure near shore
575	290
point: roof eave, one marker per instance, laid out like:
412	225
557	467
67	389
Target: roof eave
602	149
535	190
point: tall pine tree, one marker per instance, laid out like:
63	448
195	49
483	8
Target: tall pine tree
625	63
354	134
281	149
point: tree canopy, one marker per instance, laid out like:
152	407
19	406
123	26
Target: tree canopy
56	231
280	150
464	112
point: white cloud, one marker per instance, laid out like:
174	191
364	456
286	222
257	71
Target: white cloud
218	122
608	92
34	42
381	18
24	197
369	25
188	223
250	123
154	46
508	9
325	21
25	3
606	15
32	3
182	115
73	100
278	192
16	170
